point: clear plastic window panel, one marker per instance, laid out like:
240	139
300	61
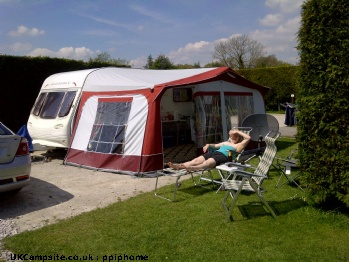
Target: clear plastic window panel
208	120
237	108
52	105
39	103
67	103
109	129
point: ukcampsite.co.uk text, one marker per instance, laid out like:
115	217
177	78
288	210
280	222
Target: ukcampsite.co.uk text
57	257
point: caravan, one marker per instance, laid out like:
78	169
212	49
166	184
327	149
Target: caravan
120	119
51	119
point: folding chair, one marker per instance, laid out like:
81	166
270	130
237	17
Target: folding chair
284	168
251	181
259	125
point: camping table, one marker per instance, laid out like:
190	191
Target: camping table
226	171
169	172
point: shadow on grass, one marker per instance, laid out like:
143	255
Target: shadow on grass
256	209
284	144
196	190
185	192
333	205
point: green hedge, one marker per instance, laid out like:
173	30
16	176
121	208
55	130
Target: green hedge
281	80
323	126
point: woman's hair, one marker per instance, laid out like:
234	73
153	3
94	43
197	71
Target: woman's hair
241	137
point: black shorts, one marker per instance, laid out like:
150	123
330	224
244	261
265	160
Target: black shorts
217	156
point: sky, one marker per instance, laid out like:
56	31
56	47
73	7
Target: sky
185	31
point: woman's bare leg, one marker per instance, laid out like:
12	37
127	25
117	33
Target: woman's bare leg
196	161
176	166
209	163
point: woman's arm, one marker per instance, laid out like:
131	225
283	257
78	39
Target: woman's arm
246	139
213	146
243	134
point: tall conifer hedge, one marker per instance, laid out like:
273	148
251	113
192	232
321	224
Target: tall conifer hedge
323	98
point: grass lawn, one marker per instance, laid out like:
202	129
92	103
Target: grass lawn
194	228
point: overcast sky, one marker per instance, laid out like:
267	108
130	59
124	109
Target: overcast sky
183	30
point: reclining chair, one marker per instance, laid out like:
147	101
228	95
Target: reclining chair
259	125
251	181
223	170
204	175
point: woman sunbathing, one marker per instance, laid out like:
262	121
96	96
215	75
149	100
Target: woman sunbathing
237	142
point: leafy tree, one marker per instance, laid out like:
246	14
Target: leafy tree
239	52
162	62
197	65
105	58
101	58
184	66
323	126
150	62
214	64
187	66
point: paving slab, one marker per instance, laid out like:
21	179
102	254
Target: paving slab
286	131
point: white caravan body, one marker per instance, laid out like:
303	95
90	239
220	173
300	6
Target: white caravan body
51	122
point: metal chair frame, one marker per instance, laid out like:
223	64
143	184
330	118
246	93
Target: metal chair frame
223	170
169	172
251	181
284	168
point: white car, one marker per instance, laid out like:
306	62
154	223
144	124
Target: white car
15	160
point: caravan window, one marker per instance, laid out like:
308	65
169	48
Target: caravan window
109	128
66	104
51	104
39	103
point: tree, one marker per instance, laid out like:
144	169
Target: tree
323	126
184	66
105	58
162	62
150	62
187	66
213	64
239	52
101	58
197	65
